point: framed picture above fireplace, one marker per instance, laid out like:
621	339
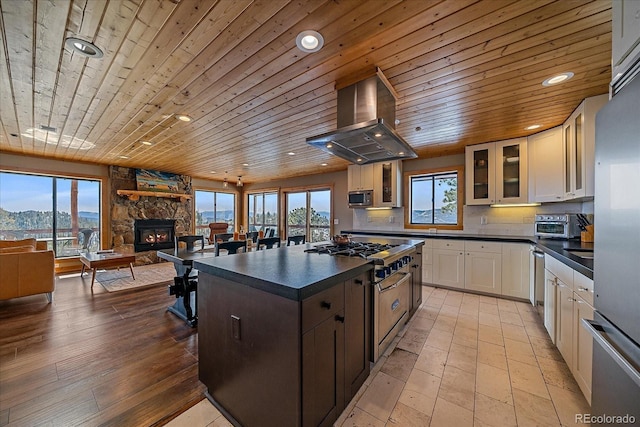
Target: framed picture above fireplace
149	180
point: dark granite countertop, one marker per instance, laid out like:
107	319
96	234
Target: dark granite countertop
290	272
559	250
554	247
441	235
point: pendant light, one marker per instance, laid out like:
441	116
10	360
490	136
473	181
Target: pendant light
239	183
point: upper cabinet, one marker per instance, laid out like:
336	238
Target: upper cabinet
387	184
625	35
496	172
360	177
546	151
384	178
578	136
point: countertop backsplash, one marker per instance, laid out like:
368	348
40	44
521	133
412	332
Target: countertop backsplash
509	221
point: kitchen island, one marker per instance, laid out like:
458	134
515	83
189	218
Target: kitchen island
271	334
284	335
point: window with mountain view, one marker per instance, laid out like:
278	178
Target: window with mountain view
262	211
435	200
28	203
309	213
214	206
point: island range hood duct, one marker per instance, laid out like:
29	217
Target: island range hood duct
366	125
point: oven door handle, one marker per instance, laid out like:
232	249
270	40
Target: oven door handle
406	277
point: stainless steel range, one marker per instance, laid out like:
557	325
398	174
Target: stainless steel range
391	281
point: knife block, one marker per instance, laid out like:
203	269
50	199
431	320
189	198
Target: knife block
587	236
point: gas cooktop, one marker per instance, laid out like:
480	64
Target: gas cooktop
359	249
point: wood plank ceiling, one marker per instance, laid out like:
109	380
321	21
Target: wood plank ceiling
466	72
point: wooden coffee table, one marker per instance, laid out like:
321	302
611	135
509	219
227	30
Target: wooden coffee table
95	261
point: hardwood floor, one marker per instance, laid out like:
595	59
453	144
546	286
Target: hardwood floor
95	358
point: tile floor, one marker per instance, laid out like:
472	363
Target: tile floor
463	360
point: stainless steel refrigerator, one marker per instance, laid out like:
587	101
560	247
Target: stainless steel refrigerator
616	327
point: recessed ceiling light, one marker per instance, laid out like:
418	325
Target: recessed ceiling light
323	164
145	142
213	172
84	47
183	117
401	153
358	159
291	153
329	145
123	157
377	134
245	164
558	78
532	127
309	41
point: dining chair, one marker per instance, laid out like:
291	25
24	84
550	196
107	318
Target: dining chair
268	243
222	237
190	240
253	235
232	247
296	240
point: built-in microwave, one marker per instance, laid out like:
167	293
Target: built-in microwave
557	226
360	199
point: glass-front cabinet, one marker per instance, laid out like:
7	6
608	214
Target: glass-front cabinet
496	172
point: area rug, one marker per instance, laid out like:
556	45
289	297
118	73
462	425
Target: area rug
146	275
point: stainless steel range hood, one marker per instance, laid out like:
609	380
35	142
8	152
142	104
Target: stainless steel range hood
366	125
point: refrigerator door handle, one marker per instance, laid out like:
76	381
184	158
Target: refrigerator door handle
598	333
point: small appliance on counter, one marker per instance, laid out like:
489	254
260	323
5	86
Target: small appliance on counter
557	226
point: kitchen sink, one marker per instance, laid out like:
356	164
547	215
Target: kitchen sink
582	253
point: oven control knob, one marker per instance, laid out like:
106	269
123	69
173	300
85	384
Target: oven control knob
380	274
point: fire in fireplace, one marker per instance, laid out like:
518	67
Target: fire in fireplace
153	234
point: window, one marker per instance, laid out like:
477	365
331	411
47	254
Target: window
28	203
213	206
309	213
435	199
262	211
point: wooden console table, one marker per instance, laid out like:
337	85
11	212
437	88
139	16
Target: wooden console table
106	260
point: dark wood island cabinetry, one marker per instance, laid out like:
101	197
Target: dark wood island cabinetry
284	336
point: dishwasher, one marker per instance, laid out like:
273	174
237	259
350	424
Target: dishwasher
537	270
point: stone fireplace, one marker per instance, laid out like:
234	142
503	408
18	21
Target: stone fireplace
125	212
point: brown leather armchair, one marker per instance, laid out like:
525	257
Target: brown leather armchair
26	268
216	228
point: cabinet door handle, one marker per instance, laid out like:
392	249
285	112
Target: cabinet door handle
581	289
339	318
325	304
571	299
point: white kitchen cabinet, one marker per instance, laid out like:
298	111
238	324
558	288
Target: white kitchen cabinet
483	266
545	150
448	263
564	321
360	177
516	260
582	346
496	172
427	261
550	312
578	136
625	35
387	184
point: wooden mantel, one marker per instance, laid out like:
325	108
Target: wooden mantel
135	195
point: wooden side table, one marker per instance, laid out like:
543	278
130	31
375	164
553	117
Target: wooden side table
94	261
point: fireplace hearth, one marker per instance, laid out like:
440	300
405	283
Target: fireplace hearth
153	234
